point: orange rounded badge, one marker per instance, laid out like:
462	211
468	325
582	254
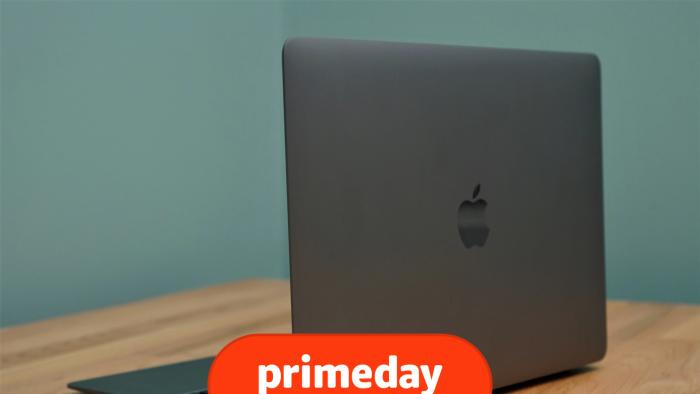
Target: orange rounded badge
349	364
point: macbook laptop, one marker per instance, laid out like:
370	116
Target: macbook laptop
439	189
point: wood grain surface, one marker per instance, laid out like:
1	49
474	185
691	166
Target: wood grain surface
653	348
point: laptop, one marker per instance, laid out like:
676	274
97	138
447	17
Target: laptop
439	189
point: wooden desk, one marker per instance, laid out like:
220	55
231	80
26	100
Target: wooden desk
653	348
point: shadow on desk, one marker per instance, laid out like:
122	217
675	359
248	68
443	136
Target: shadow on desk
558	377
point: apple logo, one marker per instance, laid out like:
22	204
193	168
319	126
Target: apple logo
471	220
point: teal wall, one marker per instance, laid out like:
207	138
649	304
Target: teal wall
142	146
142	151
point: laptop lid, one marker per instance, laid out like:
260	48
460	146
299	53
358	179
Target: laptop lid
448	189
